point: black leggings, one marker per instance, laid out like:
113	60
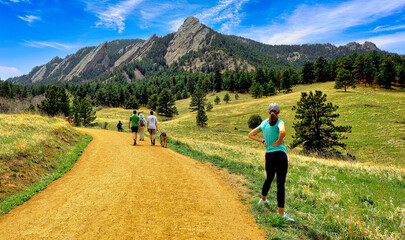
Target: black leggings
276	162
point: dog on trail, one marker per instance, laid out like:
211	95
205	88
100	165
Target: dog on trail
163	139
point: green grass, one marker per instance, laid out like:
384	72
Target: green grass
329	199
335	200
66	160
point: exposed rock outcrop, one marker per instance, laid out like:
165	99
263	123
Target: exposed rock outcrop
96	59
39	75
189	37
136	52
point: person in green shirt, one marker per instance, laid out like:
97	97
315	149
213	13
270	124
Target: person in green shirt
273	130
134	125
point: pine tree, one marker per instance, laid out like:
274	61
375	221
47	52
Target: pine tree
401	77
256	90
307	73
166	103
227	98
51	105
320	70
217	80
388	73
344	79
217	100
315	129
132	103
201	118
286	81
198	100
152	103
87	113
209	106
64	101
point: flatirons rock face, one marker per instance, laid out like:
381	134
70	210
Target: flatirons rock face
136	52
96	59
190	37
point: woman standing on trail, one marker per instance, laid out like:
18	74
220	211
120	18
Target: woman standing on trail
276	155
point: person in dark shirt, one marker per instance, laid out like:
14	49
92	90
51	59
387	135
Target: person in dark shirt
119	126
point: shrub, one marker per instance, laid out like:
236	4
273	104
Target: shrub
254	121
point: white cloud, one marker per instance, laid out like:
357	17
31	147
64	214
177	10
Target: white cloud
6	72
44	44
323	21
29	18
227	12
112	15
388	28
175	24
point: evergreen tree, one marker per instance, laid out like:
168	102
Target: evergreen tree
56	101
388	73
87	113
401	77
359	69
152	103
132	103
144	96
82	112
201	118
286	81
217	100
198	100
227	98
259	76
236	96
344	79
256	90
315	129
320	70
217	80
209	106
307	73
64	101
166	103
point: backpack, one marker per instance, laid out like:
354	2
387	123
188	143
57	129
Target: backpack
142	122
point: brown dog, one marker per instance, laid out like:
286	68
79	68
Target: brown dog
163	139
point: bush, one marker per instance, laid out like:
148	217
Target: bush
254	121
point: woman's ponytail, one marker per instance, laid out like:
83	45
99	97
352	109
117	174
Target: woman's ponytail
273	118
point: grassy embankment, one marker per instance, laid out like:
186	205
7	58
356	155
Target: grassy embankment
34	151
361	199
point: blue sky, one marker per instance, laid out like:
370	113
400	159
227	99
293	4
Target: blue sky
32	32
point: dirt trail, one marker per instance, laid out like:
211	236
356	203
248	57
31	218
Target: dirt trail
120	191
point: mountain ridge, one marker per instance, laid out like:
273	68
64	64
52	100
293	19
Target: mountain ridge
194	47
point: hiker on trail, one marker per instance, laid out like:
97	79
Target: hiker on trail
142	126
134	125
152	127
119	126
273	130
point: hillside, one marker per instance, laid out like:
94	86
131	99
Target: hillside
330	199
193	48
34	150
299	54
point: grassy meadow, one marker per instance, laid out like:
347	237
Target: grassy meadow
330	199
34	150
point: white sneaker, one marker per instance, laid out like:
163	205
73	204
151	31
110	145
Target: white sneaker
288	218
263	202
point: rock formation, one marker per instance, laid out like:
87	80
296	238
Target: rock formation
136	52
96	59
190	37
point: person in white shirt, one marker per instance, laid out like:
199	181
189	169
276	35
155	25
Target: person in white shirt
152	127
